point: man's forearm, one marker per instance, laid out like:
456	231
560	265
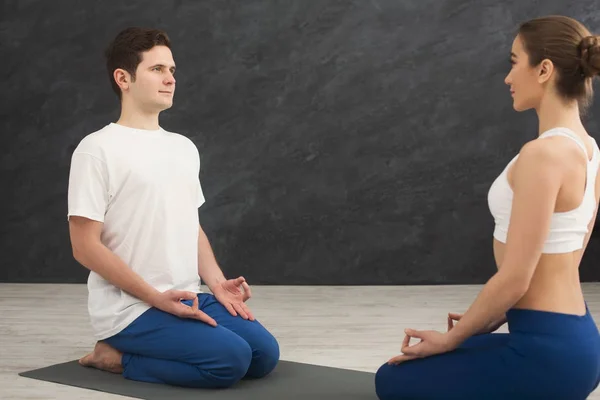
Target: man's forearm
98	258
499	294
208	268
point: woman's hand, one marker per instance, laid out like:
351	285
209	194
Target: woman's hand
430	343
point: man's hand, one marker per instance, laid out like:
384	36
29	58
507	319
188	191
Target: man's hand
232	294
492	327
170	302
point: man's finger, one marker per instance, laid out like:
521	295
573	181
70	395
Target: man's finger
205	318
450	324
192	311
239	280
240	311
230	309
185	311
183	294
247	291
248	312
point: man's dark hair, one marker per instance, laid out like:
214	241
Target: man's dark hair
125	51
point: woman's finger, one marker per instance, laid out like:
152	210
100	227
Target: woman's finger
400	359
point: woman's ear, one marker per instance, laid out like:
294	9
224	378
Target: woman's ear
545	71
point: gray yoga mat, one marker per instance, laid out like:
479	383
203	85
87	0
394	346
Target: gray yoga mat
289	380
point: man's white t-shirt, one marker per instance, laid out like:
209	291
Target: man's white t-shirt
144	186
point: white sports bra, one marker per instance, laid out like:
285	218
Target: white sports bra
567	229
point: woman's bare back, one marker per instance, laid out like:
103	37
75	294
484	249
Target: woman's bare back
555	285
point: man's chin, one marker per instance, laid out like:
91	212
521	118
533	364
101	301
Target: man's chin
165	105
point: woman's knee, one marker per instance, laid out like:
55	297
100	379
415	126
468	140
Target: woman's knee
385	386
401	381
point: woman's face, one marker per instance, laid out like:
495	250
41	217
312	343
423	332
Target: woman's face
523	80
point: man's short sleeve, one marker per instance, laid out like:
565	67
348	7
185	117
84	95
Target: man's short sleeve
199	194
88	187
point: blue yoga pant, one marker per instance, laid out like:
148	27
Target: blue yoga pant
159	347
546	355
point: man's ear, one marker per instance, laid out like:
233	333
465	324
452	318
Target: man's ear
123	78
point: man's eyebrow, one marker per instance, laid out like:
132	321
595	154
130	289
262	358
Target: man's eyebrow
163	66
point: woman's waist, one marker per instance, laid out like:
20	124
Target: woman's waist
547	322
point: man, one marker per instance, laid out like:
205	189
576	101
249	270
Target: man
133	199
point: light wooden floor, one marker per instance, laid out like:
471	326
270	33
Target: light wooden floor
348	327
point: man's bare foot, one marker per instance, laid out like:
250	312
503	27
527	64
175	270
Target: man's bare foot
103	357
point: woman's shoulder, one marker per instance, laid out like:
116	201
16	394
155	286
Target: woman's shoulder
541	160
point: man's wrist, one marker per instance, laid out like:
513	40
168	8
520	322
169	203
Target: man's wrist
211	274
152	297
215	285
214	288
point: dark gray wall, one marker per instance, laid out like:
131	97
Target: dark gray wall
342	142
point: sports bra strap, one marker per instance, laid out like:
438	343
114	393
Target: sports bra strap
570	134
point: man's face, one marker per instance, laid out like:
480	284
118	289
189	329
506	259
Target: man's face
154	84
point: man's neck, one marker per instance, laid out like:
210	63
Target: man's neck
138	120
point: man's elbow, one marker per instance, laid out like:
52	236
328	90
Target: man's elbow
82	249
78	253
85	235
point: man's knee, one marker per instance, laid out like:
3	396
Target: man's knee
232	365
265	357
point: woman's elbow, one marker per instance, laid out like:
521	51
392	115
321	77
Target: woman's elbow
516	284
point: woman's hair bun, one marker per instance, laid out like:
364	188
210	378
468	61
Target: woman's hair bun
590	56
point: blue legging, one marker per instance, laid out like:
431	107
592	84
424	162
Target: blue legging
545	356
159	347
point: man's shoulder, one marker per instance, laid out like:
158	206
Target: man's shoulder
180	135
184	139
95	140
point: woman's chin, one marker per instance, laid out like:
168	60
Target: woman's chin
519	107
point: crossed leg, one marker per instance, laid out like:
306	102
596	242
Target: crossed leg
492	367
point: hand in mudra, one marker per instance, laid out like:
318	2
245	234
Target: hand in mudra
430	343
171	302
233	294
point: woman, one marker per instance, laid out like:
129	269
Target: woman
544	205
